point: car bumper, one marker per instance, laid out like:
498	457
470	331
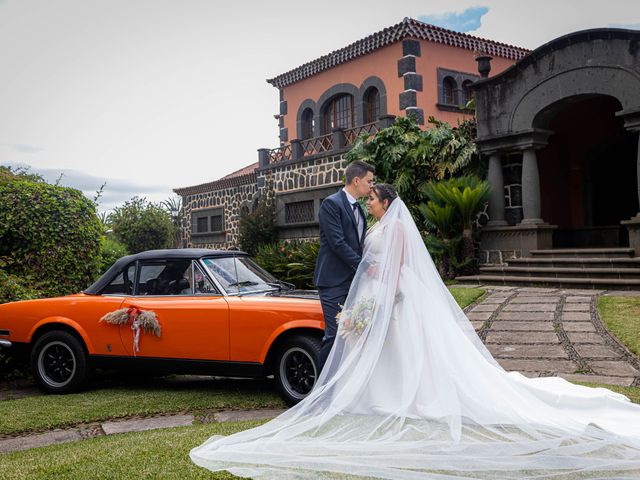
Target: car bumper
5	343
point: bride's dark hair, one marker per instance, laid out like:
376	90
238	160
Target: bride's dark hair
384	191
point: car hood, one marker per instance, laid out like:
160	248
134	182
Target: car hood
306	294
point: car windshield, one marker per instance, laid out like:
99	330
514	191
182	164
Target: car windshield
240	274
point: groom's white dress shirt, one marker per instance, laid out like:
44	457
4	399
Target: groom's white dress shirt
356	211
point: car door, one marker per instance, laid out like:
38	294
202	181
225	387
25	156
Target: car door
192	314
105	337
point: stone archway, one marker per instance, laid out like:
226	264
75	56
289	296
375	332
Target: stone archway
587	171
569	114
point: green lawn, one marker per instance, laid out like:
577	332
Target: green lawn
466	296
151	454
621	315
162	395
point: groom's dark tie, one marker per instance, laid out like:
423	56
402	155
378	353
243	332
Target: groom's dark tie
357	212
354	205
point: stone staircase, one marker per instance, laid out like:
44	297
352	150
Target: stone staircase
608	268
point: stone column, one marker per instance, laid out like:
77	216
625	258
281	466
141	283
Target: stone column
496	200
633	224
530	188
263	157
339	140
638	169
297	151
385	121
632	122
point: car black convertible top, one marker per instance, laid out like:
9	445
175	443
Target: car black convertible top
193	253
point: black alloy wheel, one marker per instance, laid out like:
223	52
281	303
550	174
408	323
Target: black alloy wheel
58	362
296	369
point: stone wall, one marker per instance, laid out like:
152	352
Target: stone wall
304	182
231	199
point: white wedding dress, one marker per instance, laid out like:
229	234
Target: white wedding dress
412	393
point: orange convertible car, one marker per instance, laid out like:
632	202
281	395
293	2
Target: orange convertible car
173	311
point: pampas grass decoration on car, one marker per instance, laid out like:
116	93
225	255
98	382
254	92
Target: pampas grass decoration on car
117	317
145	320
148	322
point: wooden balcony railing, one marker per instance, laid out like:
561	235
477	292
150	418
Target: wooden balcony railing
338	139
352	134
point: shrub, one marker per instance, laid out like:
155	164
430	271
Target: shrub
49	236
293	261
450	211
110	251
140	225
14	288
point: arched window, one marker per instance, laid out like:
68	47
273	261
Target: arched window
450	91
371	105
338	113
307	124
467	92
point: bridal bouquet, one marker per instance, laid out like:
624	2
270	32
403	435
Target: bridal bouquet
353	321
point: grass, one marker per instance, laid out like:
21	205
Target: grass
151	454
632	392
164	395
466	296
621	316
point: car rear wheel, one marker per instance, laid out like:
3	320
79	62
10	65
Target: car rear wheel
296	369
59	362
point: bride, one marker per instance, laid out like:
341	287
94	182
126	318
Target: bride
410	392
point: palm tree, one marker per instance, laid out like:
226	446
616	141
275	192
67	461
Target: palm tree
466	196
173	205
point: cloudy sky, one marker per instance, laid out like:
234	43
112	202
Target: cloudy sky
150	95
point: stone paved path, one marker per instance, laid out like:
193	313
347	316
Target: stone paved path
548	331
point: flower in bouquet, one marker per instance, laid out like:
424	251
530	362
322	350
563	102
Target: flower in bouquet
353	321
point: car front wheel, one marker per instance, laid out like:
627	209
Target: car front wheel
296	369
58	362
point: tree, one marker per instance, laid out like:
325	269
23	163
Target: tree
173	205
414	161
452	208
140	225
408	157
259	226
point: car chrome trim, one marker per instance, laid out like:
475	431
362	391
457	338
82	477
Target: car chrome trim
222	368
5	343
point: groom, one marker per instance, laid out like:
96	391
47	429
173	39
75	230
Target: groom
342	230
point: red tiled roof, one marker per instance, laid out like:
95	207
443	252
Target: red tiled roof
243	171
244	176
408	28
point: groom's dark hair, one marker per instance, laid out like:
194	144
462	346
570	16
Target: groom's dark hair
357	168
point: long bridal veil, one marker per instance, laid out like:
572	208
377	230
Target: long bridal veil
409	391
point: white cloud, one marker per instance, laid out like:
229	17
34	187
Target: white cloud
468	20
116	191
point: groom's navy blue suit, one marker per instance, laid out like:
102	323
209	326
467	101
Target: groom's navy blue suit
338	259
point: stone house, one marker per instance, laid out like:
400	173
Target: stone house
561	130
410	68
